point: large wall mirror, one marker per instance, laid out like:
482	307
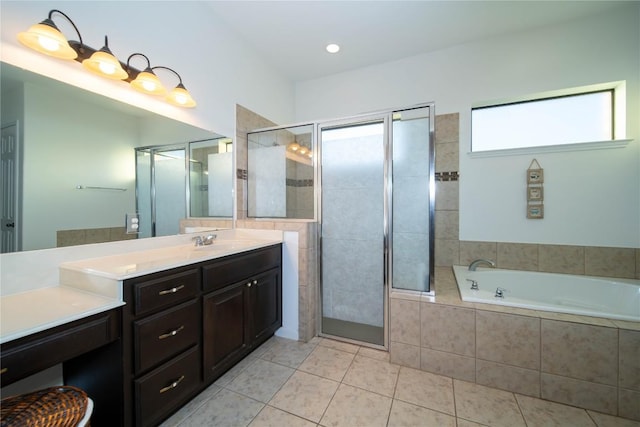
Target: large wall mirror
69	161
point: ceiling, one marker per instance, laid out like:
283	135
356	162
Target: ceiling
292	35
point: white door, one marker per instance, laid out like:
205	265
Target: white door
9	226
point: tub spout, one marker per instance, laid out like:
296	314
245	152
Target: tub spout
474	264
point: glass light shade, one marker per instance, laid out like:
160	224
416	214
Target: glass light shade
148	82
47	39
294	146
181	97
106	65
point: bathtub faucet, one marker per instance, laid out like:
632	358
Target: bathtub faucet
474	264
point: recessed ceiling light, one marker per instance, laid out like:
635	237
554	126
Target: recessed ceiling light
333	48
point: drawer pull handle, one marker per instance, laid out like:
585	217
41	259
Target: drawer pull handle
171	334
172	385
171	291
3	370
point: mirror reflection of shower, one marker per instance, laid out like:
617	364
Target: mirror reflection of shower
180	181
280	180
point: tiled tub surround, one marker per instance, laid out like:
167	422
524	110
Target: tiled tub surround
587	362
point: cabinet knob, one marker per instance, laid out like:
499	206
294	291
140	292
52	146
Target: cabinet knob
255	282
249	285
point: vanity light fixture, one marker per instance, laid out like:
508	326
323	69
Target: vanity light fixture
46	38
103	63
146	81
179	96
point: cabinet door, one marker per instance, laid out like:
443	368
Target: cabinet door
265	305
225	329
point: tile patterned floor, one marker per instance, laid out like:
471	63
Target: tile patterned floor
329	383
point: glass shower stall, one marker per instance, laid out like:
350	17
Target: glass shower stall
376	180
373	186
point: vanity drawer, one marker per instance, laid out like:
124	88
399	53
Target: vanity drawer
33	353
164	389
236	268
163	335
164	291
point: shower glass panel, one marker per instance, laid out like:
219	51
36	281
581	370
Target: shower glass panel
280	173
143	191
211	178
170	191
352	176
161	190
413	199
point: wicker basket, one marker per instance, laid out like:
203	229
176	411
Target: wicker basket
63	406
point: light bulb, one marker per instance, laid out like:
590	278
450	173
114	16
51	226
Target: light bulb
48	43
181	99
107	68
149	86
303	151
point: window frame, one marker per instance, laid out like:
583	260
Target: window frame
618	119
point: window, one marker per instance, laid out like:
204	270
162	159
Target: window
551	120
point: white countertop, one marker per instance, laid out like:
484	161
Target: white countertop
29	312
89	286
134	264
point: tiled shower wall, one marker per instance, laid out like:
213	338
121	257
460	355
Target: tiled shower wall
247	120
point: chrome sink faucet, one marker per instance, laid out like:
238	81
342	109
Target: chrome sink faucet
474	264
204	241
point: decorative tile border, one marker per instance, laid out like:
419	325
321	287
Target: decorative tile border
447	176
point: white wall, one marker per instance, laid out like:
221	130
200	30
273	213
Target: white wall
66	147
591	197
217	67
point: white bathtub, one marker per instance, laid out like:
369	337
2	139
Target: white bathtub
584	295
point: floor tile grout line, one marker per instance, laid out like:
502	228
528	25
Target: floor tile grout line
524	419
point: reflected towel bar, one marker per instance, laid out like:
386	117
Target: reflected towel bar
85	187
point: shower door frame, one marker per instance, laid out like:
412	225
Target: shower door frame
385	119
153	150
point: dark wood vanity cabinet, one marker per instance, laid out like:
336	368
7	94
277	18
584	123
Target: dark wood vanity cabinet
242	308
161	335
89	350
185	327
